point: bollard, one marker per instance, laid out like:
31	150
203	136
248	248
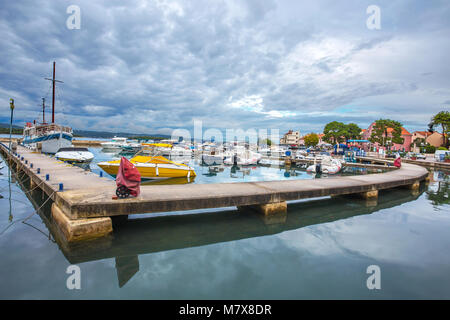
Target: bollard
38	170
61	187
47	177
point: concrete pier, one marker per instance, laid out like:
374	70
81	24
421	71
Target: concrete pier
82	209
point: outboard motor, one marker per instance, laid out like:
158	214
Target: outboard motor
318	168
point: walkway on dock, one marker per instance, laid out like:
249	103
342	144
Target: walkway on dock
85	195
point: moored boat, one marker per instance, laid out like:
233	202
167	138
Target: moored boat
327	165
74	155
243	157
156	167
47	137
116	143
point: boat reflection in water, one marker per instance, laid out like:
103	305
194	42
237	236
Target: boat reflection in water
146	235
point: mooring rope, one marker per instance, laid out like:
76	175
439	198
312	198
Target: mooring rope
36	211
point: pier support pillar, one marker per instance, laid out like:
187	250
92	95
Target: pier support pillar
270	213
429	177
267	209
81	229
415	186
368	195
32	184
371	197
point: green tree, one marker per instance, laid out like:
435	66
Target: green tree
420	143
440	196
441	119
334	132
352	131
381	135
311	140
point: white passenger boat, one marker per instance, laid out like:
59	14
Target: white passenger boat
74	155
47	137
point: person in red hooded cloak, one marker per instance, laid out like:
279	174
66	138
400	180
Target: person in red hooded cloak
129	177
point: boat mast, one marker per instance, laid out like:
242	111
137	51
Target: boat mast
53	93
53	80
43	110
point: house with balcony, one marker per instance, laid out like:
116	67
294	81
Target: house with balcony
291	138
407	138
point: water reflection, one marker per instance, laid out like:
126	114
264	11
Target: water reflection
147	235
225	173
439	194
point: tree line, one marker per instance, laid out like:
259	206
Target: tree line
385	132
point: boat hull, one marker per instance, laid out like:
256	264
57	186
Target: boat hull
50	143
150	171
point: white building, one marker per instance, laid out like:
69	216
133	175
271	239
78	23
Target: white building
291	137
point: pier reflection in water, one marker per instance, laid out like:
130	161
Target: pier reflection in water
319	249
140	236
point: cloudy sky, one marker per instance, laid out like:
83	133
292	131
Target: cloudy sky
153	66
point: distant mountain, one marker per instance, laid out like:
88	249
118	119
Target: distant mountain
103	134
94	134
6	125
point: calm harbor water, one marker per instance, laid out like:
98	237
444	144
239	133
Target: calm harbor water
224	173
320	249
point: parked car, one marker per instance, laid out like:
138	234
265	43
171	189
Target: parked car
421	156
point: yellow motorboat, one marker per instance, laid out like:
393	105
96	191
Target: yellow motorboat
156	167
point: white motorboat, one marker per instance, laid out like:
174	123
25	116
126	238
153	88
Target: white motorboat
116	143
178	151
74	155
271	162
215	157
277	151
243	157
131	147
327	165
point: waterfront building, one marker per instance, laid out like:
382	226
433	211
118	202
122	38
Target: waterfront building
435	139
291	137
407	138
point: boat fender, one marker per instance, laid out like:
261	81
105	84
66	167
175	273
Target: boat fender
189	173
157	171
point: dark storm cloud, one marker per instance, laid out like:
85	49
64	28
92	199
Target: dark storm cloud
149	66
